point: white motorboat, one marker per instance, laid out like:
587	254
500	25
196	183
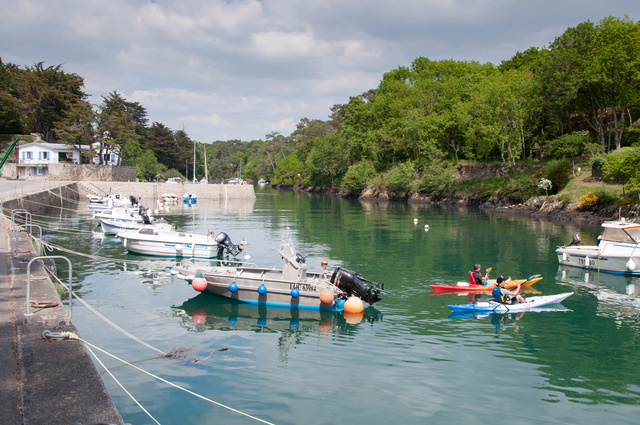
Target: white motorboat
108	202
290	287
115	220
617	251
163	240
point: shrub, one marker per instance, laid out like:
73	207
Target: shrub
358	176
621	165
436	180
559	172
589	202
596	199
399	178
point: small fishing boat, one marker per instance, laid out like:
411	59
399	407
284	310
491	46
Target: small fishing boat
290	287
469	287
118	219
617	251
163	240
492	306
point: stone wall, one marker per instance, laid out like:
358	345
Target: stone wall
483	171
150	190
42	200
74	172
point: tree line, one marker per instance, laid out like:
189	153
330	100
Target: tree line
577	99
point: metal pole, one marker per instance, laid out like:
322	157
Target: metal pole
29	282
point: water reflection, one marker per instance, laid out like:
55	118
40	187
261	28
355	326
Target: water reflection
204	313
618	296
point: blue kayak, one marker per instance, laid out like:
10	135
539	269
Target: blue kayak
496	307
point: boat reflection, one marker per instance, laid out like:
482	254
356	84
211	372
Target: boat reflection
203	312
618	295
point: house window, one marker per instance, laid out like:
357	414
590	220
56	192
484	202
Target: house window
45	155
43	170
28	155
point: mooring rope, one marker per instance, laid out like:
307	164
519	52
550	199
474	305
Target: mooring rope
71	335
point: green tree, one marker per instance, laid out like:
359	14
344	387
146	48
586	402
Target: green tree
119	122
11	121
289	172
77	127
46	95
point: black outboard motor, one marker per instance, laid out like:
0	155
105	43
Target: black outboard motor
224	243
351	283
133	200
576	240
145	218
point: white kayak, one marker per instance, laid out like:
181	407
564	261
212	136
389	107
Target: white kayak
496	307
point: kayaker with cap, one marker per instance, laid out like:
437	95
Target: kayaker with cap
503	295
477	276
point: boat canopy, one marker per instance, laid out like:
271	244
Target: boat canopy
629	234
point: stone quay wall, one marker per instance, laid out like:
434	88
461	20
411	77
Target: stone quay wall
152	190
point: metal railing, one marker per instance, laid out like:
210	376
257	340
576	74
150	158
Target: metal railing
28	313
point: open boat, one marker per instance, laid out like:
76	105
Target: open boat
163	240
116	220
468	287
492	306
290	287
617	251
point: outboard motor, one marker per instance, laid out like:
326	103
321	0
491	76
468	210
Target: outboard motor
351	283
133	200
224	243
576	240
145	218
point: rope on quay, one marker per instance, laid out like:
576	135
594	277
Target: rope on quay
70	335
106	320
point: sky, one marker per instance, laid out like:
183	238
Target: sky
227	69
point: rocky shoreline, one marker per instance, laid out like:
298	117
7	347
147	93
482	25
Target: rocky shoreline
544	208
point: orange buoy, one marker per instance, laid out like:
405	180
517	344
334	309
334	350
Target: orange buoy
199	284
324	262
353	305
326	297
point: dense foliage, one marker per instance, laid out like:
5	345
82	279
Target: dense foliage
576	100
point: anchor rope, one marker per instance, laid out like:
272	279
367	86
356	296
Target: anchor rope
120	384
73	336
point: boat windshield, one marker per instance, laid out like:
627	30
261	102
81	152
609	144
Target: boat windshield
619	235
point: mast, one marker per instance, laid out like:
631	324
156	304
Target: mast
194	161
206	175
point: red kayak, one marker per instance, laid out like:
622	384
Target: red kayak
467	287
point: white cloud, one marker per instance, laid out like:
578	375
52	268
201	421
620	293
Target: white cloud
240	69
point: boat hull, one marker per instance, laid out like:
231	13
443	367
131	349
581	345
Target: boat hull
169	243
244	285
495	307
614	260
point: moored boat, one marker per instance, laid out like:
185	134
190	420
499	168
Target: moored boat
293	286
190	198
118	219
617	250
163	240
492	306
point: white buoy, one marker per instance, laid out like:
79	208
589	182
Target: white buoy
415	221
426	227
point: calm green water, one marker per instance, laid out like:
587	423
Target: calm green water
406	361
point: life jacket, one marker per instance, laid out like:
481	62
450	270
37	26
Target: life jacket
497	296
472	281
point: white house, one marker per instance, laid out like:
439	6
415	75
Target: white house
35	158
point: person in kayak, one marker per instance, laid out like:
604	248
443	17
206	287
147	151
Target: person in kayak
505	296
476	276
